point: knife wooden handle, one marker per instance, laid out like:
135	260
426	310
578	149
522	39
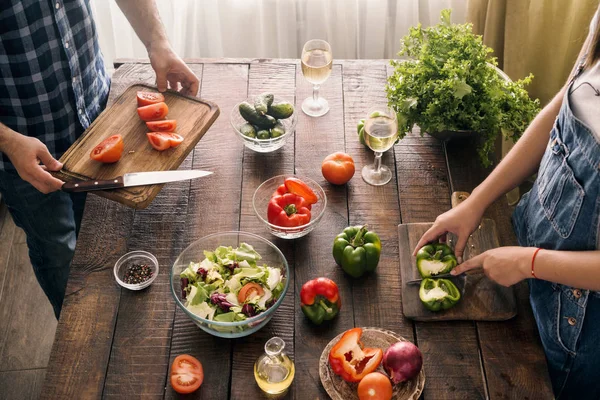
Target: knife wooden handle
85	186
458	197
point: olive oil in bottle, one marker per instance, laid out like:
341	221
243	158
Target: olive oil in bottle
274	370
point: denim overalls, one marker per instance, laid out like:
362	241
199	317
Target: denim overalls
561	213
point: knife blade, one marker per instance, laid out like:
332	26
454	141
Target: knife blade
446	276
134	179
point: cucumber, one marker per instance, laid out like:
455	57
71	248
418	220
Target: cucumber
248	130
277	130
262	102
263	134
248	112
281	110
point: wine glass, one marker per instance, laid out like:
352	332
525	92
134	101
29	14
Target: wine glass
381	132
316	67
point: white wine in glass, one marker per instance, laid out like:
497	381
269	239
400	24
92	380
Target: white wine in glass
381	132
316	61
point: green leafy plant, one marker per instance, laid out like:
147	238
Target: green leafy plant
450	82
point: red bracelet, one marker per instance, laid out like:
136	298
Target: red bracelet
533	262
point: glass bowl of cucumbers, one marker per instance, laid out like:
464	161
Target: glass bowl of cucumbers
264	122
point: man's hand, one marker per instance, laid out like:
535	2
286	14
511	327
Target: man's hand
26	153
170	68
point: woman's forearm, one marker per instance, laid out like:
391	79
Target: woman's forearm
522	160
578	269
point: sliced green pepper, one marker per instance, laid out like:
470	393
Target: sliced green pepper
438	294
434	259
357	250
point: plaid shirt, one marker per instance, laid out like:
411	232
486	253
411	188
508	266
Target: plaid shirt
53	83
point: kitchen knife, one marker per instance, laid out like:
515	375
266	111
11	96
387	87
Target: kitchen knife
446	276
134	179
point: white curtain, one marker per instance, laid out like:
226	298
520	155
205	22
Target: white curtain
369	29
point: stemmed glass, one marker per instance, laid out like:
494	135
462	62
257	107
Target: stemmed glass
381	132
316	67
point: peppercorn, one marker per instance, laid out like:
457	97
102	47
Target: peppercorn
137	273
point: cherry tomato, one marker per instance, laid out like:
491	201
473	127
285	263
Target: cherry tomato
159	141
250	290
147	98
375	386
338	168
167	125
109	150
187	374
153	112
296	186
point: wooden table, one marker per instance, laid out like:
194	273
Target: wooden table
115	343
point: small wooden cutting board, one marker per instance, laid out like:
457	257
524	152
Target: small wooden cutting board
194	116
481	300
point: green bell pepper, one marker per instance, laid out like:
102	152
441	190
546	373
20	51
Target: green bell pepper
434	259
320	300
438	294
357	250
360	129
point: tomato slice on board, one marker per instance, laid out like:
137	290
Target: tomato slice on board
167	125
296	186
147	98
159	141
249	290
153	112
109	150
187	374
174	138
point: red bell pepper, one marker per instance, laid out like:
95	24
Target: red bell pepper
288	210
320	300
350	360
281	190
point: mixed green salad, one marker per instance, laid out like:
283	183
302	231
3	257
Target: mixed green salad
229	285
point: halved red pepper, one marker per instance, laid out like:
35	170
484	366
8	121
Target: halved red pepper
288	210
320	300
350	360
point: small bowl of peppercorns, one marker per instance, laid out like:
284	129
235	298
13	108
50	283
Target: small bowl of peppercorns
136	270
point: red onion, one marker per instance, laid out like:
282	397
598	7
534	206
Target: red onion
402	361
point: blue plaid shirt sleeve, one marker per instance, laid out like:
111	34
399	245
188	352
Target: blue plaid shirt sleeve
53	82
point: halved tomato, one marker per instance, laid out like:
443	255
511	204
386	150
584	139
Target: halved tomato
147	98
250	290
167	125
153	112
187	374
296	186
109	150
164	140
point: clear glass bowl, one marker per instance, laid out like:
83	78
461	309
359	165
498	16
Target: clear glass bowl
135	257
271	256
262	145
263	194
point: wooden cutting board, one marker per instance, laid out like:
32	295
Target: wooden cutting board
194	116
481	300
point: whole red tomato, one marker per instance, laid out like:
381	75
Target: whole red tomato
375	386
338	168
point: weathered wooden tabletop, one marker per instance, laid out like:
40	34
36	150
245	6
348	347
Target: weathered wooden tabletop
115	343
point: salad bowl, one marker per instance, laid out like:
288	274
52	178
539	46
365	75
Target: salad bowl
211	274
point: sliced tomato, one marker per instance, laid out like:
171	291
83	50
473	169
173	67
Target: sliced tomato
187	374
153	112
109	150
296	186
147	98
159	140
174	138
167	125
250	290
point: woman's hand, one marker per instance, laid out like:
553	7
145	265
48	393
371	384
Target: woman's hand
170	68
26	153
461	220
504	265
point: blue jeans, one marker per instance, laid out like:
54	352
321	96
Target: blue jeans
51	222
